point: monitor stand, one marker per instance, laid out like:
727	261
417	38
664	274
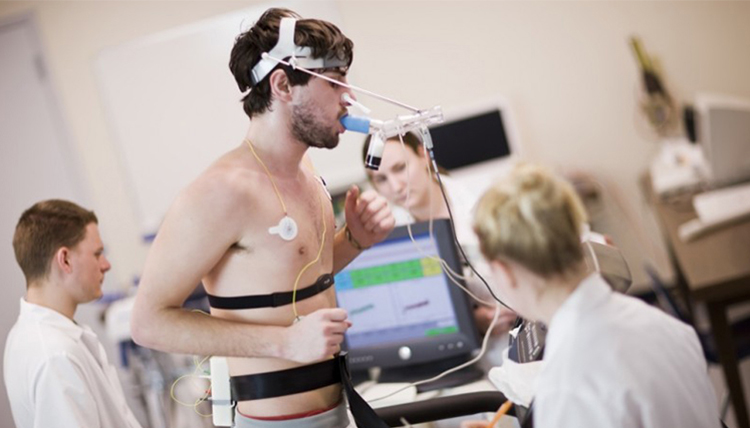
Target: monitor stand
424	371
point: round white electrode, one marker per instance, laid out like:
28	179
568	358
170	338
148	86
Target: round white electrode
286	229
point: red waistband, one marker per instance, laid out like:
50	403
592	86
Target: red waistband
289	417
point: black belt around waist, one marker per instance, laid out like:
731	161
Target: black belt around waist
287	382
303	379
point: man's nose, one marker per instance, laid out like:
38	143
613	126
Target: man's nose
349	99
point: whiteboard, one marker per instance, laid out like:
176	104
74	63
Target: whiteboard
173	106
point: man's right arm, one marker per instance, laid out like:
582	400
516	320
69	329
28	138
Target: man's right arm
202	224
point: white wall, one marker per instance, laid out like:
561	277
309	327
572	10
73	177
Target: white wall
565	67
73	33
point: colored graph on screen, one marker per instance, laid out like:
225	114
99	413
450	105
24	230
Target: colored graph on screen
395	293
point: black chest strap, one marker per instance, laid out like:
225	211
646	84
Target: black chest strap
272	300
303	379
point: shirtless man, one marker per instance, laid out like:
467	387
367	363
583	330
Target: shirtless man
224	229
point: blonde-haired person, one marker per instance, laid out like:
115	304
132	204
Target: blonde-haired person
610	360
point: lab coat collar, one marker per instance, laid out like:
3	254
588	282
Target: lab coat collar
51	317
80	333
590	293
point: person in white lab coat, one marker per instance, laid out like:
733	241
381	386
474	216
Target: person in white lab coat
56	370
610	360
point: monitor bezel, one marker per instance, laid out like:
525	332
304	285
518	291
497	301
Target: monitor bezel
465	342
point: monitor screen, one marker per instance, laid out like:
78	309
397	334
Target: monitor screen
471	139
403	308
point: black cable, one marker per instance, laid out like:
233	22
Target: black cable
455	237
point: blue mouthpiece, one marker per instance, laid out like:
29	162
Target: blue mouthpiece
356	124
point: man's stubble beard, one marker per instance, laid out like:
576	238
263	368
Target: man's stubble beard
309	131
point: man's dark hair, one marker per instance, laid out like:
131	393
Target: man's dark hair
43	229
324	38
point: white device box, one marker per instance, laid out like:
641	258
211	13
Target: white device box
221	396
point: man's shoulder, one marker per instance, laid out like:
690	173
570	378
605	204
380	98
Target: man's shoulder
223	184
34	343
26	333
227	172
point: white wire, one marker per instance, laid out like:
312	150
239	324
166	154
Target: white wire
405	423
447	269
450	273
593	256
454	369
431	218
294	66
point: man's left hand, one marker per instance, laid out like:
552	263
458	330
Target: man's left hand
368	216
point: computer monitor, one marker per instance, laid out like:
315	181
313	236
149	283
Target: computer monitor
477	143
724	134
475	135
407	318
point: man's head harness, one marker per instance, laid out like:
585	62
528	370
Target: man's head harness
285	49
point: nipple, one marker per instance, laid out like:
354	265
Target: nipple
286	229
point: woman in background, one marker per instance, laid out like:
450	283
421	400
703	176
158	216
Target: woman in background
610	360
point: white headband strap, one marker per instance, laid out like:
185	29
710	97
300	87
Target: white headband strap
285	48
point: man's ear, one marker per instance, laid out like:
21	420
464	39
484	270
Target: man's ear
61	260
280	87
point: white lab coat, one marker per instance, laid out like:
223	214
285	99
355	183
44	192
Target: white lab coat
57	374
613	361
